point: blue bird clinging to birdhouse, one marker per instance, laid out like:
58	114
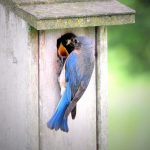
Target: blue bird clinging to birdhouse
78	70
65	46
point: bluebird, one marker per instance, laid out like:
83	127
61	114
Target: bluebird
78	70
65	46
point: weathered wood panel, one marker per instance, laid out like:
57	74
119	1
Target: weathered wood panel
18	84
50	1
81	14
102	87
54	14
82	134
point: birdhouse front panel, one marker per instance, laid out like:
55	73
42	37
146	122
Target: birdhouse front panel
82	130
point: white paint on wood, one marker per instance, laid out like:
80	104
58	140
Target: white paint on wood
102	88
18	84
82	130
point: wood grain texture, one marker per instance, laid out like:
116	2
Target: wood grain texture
102	88
44	15
78	9
82	134
18	84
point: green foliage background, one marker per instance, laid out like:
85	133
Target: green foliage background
129	81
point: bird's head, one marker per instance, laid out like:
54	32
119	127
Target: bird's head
82	42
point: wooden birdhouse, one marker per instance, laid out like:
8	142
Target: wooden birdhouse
29	88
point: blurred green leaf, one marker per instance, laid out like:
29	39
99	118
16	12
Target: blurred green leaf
129	81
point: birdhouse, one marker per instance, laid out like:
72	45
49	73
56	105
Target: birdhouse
30	68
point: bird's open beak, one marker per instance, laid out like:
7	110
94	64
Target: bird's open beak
62	51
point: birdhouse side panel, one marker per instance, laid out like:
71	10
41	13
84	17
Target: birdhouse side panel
18	84
82	130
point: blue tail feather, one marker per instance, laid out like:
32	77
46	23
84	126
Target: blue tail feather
57	121
64	126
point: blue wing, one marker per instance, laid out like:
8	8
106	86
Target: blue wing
72	74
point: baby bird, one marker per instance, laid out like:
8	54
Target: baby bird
65	46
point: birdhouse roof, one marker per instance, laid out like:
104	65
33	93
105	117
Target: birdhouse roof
49	14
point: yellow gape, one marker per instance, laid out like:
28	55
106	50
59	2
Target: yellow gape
62	51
